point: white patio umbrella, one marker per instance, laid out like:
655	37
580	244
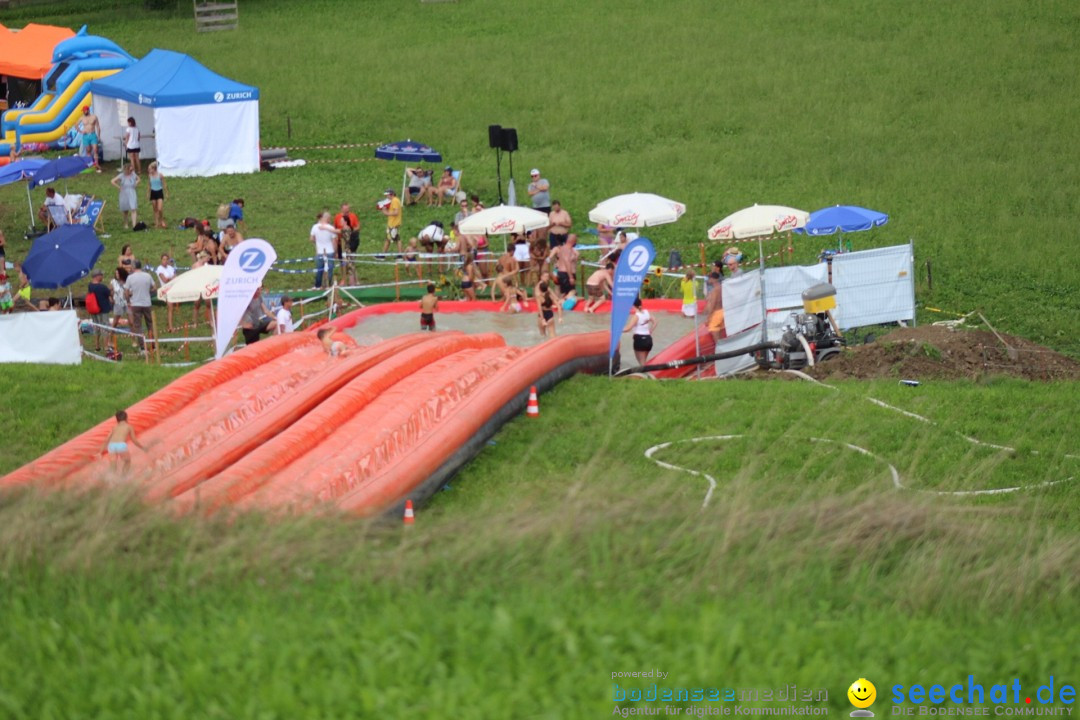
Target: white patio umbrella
637	210
202	282
504	220
758	221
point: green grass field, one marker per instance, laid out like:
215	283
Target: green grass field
562	555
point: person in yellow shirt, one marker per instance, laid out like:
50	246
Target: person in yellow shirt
689	295
391	208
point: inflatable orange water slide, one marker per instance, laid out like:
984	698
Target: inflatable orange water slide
281	425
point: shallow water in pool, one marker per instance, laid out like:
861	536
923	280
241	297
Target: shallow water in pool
519	329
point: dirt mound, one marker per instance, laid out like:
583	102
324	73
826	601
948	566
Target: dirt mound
933	352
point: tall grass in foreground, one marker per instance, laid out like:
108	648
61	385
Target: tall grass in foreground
113	608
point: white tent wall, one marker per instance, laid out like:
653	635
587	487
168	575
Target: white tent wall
113	114
204	140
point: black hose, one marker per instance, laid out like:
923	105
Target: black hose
699	360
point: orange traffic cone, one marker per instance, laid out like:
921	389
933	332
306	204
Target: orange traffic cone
533	408
409	519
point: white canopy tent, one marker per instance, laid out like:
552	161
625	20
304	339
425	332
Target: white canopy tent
195	122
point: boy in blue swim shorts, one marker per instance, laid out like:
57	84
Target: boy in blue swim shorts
117	443
90	128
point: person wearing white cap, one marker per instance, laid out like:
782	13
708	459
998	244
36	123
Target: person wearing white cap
540	192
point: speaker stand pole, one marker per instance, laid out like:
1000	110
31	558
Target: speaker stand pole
512	167
498	172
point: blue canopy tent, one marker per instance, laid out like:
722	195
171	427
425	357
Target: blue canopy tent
194	121
408	151
59	258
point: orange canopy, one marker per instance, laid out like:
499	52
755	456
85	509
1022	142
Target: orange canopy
27	53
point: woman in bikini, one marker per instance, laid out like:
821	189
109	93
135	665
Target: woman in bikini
468	278
126	259
546	309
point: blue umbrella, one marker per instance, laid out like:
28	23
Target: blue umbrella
842	218
63	167
408	151
20	169
61	257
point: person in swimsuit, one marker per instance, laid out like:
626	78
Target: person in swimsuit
116	445
428	305
714	308
546	309
598	286
412	256
90	128
515	301
468	278
126	259
333	348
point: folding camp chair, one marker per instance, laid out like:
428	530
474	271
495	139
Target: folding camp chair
91	214
459	194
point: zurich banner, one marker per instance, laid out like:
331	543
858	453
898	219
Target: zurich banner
243	273
629	273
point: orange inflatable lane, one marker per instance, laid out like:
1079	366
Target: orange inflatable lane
305	436
205	441
207	423
433	447
155	411
386	431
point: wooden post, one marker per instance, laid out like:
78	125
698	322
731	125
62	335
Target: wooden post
703	266
153	329
929	277
187	345
397	282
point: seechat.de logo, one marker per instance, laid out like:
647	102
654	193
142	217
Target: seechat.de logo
252	260
638	259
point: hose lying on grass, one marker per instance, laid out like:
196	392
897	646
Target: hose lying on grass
700	360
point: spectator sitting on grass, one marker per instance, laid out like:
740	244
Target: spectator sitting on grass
236	213
448	185
257	319
54	211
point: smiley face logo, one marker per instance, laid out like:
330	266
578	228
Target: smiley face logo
862	693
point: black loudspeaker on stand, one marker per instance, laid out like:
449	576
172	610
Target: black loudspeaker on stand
502	139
